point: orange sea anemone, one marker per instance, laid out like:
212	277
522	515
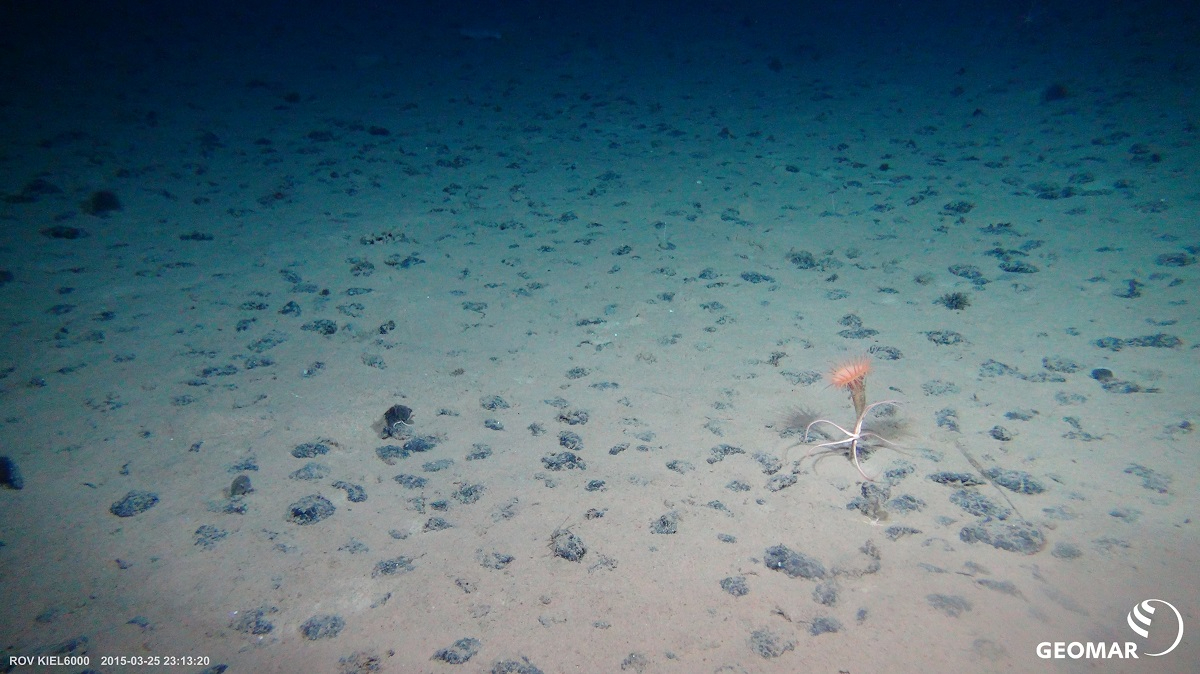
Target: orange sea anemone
851	373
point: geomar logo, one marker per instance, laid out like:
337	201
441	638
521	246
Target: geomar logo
1139	621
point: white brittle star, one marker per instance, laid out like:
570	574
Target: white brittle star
852	437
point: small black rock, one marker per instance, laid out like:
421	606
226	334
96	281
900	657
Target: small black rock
410	481
569	440
1054	92
944	337
979	505
493	403
515	667
392	567
10	475
241	485
564	461
320	326
824	625
310	471
1018	267
134	503
794	564
826	593
64	232
735	585
458	653
1013	537
1015	480
437	524
496	560
666	524
310	450
567	545
967	271
1151	479
310	510
354	493
1174	260
395	420
207	536
101	203
322	627
252	622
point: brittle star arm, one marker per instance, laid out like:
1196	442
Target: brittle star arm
852	437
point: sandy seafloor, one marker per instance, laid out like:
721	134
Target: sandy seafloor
652	224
